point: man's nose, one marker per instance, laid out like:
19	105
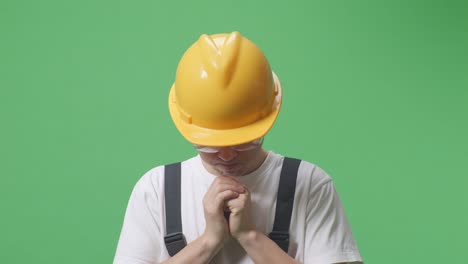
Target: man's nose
227	154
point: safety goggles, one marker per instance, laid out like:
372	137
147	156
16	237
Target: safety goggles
243	147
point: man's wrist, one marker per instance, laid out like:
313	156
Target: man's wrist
248	238
211	243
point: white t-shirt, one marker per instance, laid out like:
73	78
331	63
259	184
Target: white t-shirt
319	231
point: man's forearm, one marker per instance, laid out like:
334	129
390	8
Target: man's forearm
199	251
263	250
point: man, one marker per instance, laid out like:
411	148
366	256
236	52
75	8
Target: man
233	196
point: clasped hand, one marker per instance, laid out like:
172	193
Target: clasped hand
226	194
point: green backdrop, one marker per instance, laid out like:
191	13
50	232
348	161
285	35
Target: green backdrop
375	92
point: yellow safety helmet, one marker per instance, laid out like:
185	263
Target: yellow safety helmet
224	93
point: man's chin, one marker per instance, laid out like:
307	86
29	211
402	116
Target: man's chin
233	171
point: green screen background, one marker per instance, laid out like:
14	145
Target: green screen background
375	92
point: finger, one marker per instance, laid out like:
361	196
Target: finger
238	203
221	187
240	200
218	188
223	180
235	206
223	197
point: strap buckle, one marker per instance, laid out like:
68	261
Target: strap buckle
281	239
174	243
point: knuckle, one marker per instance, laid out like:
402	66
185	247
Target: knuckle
217	180
229	193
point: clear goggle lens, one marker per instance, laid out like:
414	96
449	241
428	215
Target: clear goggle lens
243	147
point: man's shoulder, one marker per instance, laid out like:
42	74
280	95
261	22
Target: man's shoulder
308	168
310	175
155	175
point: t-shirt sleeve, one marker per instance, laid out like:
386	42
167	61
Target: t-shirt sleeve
139	241
328	236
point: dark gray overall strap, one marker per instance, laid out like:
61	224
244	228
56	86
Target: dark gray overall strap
174	240
285	202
